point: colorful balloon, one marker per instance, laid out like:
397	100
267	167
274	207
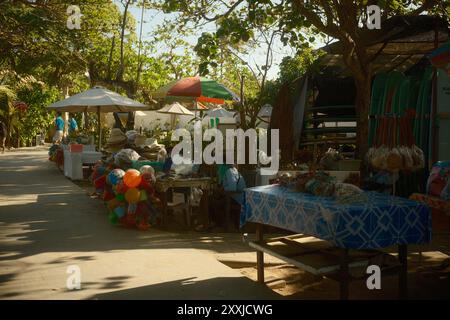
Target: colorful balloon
115	176
100	170
147	169
143	196
113	218
132	207
133	195
132	178
107	195
120	197
119	211
100	182
112	204
146	184
149	177
121	188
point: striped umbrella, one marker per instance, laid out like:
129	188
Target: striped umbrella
199	88
440	58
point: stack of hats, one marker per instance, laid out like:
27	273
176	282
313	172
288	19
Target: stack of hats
116	141
125	157
140	140
131	136
151	152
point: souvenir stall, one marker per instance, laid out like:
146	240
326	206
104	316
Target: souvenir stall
339	229
72	156
137	179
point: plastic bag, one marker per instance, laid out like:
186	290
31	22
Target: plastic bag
348	193
379	158
394	160
125	157
418	157
408	162
233	180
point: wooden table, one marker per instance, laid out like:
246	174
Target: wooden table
349	233
328	261
162	186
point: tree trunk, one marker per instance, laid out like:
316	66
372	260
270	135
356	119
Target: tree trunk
357	60
362	105
122	35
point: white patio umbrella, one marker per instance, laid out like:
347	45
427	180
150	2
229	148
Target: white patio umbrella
220	113
97	100
265	111
175	109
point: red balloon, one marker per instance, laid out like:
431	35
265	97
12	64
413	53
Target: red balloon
121	188
100	182
108	196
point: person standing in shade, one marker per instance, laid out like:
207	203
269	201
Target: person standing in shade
73	125
59	126
3	134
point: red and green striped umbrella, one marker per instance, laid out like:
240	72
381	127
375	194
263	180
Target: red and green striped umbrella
440	58
199	88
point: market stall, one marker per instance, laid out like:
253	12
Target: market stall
75	154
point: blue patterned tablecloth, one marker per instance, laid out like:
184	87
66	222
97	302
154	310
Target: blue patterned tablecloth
379	222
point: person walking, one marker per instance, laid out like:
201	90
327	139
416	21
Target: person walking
59	133
73	125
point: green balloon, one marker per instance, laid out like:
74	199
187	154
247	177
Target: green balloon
120	197
113	218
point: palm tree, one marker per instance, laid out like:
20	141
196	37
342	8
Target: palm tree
8	113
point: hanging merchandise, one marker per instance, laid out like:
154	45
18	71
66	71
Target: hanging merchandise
393	143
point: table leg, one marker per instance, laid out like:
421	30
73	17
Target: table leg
344	275
228	212
260	254
164	209
403	274
204	208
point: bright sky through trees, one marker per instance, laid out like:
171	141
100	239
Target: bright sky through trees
153	18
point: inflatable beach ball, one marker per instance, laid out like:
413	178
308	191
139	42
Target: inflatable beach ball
133	195
115	176
132	178
147	169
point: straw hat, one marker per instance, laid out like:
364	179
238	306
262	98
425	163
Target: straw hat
116	137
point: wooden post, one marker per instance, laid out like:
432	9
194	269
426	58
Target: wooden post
99	129
403	274
260	254
205	206
434	136
344	275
